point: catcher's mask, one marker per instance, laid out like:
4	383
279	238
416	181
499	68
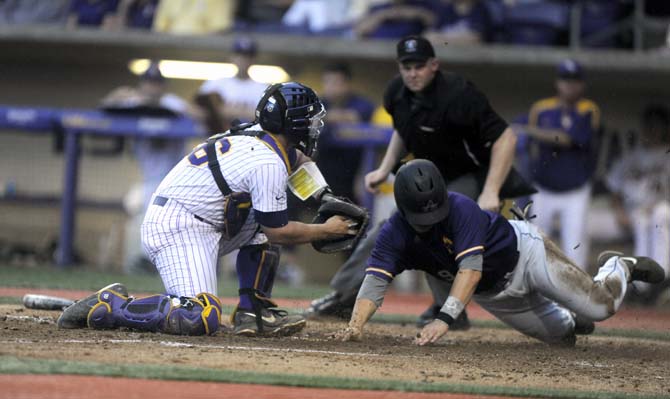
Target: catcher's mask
421	194
294	110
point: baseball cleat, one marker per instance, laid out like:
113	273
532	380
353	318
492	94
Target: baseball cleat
641	268
332	304
275	323
583	326
75	315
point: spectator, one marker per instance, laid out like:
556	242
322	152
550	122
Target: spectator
261	15
340	164
33	12
396	19
318	16
462	22
640	184
562	129
155	156
194	17
138	14
228	99
598	16
90	13
535	22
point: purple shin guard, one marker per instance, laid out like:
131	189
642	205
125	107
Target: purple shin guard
157	313
114	310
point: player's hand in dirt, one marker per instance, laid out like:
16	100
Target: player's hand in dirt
348	334
431	332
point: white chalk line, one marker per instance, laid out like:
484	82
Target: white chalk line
36	319
50	320
174	344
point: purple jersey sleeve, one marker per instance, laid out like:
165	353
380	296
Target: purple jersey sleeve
470	226
386	259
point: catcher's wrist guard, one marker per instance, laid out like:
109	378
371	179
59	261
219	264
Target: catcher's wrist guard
331	206
307	182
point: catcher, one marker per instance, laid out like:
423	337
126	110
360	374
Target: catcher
508	267
230	193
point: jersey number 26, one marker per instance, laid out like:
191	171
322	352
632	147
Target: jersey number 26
198	156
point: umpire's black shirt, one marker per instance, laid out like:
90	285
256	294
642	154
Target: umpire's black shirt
450	123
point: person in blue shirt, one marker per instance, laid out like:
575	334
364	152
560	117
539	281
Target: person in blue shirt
562	131
507	267
139	14
339	164
393	19
92	13
461	22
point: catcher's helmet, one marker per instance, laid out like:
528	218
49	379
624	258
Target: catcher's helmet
420	193
294	110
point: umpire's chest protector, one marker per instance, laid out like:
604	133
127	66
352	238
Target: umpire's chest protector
441	124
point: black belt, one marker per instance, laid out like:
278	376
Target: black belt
160	201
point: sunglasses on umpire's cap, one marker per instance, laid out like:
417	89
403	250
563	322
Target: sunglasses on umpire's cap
414	48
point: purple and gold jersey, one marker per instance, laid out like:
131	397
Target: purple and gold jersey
559	168
467	231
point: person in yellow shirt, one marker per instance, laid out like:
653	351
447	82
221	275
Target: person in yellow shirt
194	17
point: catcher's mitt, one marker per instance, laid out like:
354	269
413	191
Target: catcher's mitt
331	206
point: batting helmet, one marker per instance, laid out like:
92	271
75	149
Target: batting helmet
420	193
294	110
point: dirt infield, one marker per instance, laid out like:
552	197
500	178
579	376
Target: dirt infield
485	357
635	318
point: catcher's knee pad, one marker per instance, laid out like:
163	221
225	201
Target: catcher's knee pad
194	316
183	316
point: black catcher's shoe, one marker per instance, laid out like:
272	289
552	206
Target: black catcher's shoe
333	304
275	322
75	315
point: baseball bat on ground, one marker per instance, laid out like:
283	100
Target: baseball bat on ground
45	302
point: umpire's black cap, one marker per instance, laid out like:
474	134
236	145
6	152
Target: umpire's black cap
420	193
414	48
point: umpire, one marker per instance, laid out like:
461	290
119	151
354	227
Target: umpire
442	117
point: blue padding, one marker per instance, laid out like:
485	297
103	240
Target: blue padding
27	118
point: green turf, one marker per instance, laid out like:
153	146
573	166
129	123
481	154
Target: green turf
82	278
10	300
13	365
